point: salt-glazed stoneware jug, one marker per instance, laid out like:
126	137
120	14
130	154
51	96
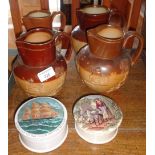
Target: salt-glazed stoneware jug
40	69
104	63
43	18
89	17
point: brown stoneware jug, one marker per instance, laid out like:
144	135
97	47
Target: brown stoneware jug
40	69
104	63
89	17
43	18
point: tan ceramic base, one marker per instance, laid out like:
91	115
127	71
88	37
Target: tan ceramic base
102	83
77	45
49	88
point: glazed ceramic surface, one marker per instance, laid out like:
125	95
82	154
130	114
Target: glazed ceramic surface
90	17
42	124
104	64
97	118
40	69
43	18
79	38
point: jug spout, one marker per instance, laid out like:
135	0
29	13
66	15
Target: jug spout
37	47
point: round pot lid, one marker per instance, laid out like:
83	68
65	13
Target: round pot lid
97	113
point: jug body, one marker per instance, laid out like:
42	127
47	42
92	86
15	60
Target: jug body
104	63
40	69
102	75
40	81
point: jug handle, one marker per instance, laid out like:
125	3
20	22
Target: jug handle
62	19
114	12
66	44
135	53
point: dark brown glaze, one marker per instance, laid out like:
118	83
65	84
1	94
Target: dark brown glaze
87	20
136	53
110	48
116	18
65	39
104	47
79	34
36	54
90	20
28	73
45	22
99	66
33	22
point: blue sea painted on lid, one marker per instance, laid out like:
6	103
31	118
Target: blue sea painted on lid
40	115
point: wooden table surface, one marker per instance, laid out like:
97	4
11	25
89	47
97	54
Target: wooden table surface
131	97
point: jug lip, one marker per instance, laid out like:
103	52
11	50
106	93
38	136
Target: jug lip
94	31
22	37
94	6
35	11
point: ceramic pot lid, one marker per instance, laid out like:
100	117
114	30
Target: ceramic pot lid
40	117
42	124
97	113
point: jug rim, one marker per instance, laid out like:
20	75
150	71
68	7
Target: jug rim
35	11
96	30
22	37
94	6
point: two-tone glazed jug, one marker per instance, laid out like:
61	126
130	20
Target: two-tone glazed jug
40	69
105	62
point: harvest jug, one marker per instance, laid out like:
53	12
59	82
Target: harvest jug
43	18
90	17
104	63
40	69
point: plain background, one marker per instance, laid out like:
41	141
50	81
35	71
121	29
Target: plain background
150	78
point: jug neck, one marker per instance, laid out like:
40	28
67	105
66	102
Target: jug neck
35	53
105	49
102	46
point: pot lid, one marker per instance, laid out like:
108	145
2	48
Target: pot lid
41	116
97	113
